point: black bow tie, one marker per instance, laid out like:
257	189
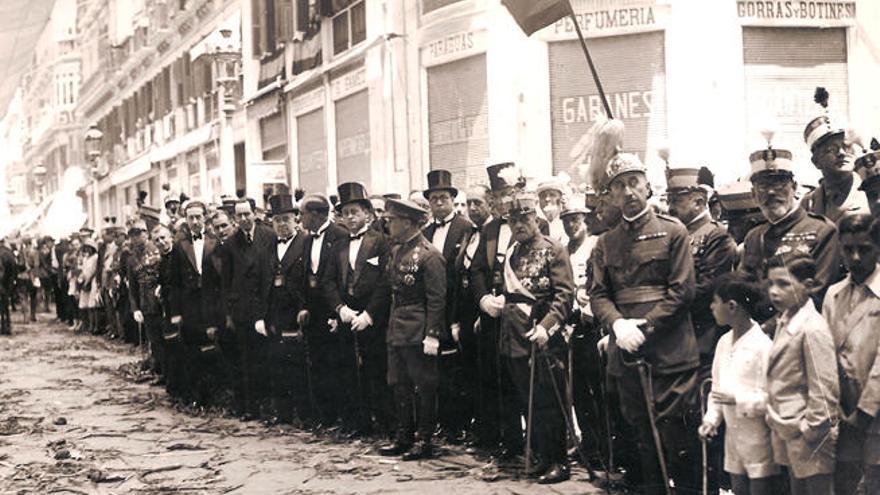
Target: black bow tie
357	237
284	240
315	235
197	236
441	223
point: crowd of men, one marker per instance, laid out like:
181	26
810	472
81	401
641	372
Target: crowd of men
544	319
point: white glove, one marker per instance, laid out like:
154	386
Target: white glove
602	345
138	317
629	335
431	346
211	332
583	299
455	328
538	335
260	327
346	314
361	322
334	325
158	291
176	320
492	305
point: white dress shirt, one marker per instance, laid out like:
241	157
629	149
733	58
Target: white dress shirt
317	243
441	231
354	246
199	250
504	235
283	246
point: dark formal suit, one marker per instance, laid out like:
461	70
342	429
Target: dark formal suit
323	344
193	296
362	354
246	282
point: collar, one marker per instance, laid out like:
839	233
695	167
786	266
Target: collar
793	215
872	283
638	216
699	220
288	240
445	221
793	324
360	233
413	237
323	228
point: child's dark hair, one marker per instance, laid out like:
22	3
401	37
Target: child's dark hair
799	264
742	289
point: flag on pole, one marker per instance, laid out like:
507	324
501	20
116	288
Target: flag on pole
533	15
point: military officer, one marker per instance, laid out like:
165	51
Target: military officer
356	286
448	231
417	273
642	287
144	278
740	211
790	227
537	298
869	172
713	250
838	191
552	197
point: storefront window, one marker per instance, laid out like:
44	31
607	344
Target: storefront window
353	138
312	151
432	5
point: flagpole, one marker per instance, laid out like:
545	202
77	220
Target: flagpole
596	80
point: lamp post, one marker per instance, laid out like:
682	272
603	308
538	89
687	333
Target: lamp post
93	139
226	55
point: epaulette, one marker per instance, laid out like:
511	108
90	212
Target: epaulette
669	218
823	218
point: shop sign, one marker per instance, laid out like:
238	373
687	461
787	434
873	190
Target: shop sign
607	17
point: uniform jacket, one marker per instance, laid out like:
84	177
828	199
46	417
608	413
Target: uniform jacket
287	279
714	251
798	232
856	333
417	274
802	392
246	276
542	268
644	269
483	265
143	279
319	307
366	288
194	296
460	229
816	201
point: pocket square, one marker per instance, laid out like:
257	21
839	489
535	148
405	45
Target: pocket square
373	261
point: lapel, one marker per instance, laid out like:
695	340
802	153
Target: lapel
452	237
491	233
289	255
190	252
791	329
363	254
429	230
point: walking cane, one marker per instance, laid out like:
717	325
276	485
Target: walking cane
530	412
704	442
310	389
141	338
648	395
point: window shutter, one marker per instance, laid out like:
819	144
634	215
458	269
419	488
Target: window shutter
302	15
257	27
188	79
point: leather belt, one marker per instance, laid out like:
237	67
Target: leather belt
642	294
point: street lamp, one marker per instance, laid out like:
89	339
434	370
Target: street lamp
93	139
226	56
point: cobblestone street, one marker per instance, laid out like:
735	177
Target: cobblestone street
74	419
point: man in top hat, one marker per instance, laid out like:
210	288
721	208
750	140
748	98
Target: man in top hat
287	369
356	286
790	228
322	339
246	280
538	294
196	309
642	287
869	172
448	231
838	191
499	400
417	274
712	248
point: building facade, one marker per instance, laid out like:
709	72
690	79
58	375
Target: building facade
382	92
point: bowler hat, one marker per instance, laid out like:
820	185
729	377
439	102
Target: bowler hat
440	180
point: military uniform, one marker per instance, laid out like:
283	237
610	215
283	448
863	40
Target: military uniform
417	274
643	269
538	290
869	173
143	274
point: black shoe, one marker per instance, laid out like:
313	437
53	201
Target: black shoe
506	454
395	449
537	469
421	450
556	474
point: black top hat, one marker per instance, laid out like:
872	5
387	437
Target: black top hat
500	177
281	203
440	180
353	192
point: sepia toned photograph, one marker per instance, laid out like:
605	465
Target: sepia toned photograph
440	247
